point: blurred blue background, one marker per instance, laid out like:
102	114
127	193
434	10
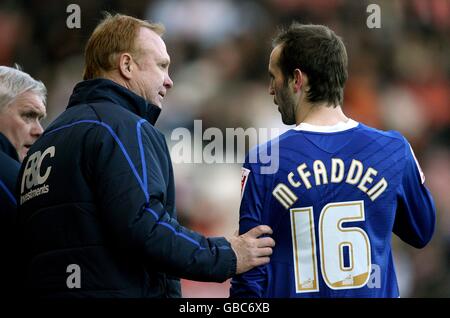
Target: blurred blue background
398	79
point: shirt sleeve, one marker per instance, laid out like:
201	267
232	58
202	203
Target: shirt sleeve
130	180
416	214
253	283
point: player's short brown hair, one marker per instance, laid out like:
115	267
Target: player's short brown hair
320	54
114	35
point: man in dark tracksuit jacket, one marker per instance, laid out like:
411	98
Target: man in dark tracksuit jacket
22	106
96	191
100	194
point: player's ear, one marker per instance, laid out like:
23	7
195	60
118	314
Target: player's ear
298	80
125	65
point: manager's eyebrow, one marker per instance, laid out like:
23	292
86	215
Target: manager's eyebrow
32	112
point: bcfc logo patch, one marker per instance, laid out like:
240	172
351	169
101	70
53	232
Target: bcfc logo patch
33	176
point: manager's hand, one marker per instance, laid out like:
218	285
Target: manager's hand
250	250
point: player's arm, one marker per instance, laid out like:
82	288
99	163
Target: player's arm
416	214
254	282
132	191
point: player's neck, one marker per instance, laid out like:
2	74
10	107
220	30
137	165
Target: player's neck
320	115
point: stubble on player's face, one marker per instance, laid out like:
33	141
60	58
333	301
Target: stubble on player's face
280	89
286	104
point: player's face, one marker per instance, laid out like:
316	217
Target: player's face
151	77
20	121
280	89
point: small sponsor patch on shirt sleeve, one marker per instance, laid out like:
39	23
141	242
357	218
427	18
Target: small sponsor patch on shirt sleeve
244	177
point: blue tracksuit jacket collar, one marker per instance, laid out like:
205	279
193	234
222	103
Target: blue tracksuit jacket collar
7	147
100	89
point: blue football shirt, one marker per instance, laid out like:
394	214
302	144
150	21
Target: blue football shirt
333	202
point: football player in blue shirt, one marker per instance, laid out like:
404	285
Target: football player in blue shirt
342	188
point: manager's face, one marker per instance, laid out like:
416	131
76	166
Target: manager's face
20	121
150	78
